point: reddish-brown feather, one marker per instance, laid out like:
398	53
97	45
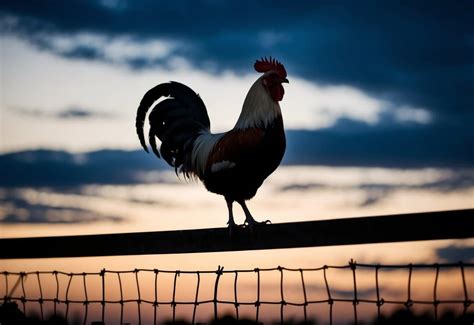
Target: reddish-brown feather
235	144
243	159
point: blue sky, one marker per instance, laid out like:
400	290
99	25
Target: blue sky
74	72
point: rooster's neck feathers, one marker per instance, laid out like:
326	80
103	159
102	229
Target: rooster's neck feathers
259	109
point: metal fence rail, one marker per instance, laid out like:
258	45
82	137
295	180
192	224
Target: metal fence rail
350	231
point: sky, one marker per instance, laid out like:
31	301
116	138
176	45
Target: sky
370	87
378	117
78	69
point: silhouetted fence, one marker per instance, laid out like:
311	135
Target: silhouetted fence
60	301
309	293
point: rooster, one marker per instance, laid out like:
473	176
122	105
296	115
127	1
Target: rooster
233	164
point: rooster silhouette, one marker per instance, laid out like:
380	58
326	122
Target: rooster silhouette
233	164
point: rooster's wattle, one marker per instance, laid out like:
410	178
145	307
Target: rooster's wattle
233	164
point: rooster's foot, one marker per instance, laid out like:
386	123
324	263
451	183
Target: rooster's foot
253	224
233	227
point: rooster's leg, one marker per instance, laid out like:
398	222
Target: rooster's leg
249	220
231	223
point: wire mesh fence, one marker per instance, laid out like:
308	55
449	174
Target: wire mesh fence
350	293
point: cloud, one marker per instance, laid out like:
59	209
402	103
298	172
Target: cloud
117	50
336	292
348	143
412	114
454	254
324	105
68	113
18	210
48	168
408	54
74	113
372	196
303	187
452	180
355	143
40	168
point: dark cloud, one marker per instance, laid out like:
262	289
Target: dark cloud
414	52
75	112
19	210
336	292
454	254
303	187
458	179
68	113
374	192
409	147
373	197
351	143
39	168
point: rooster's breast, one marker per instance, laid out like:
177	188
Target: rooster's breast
243	159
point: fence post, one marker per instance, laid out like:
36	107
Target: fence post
218	275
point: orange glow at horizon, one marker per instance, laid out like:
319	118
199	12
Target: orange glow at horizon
392	286
291	194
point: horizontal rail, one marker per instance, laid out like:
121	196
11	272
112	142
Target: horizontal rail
350	231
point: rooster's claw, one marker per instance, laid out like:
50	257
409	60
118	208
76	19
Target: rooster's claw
234	229
252	224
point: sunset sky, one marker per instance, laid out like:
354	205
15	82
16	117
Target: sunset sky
378	116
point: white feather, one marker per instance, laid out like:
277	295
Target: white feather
259	108
203	146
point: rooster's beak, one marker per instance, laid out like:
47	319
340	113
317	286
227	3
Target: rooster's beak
285	81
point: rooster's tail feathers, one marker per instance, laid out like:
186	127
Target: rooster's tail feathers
177	121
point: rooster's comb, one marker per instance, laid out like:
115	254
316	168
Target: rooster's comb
263	65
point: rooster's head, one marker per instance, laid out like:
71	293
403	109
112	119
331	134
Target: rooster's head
274	76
